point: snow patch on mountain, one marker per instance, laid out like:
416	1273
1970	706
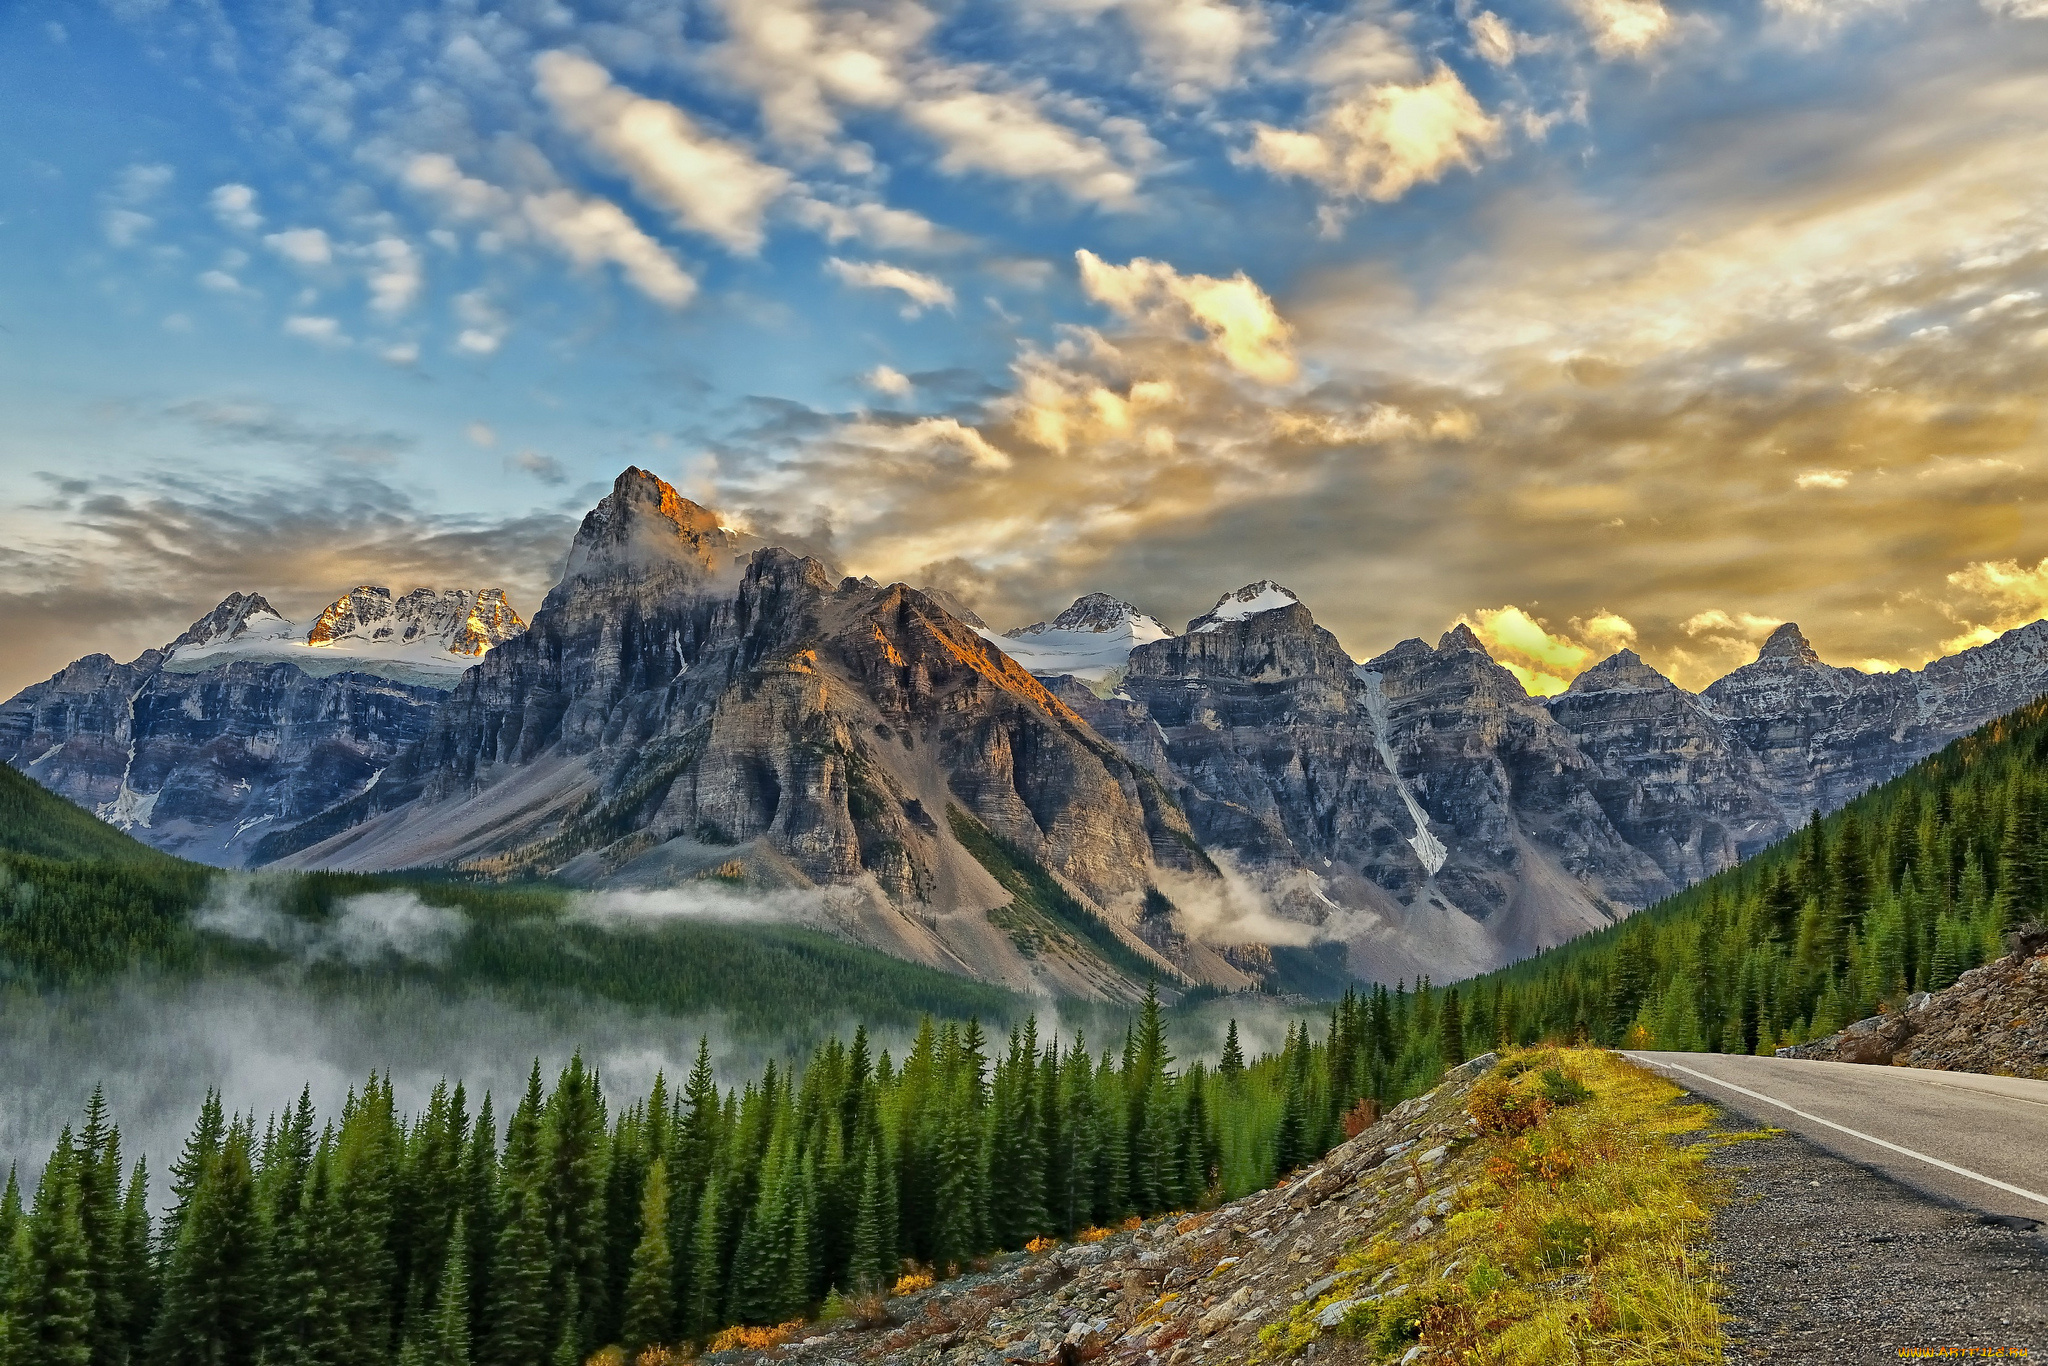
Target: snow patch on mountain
1248	601
429	636
1092	640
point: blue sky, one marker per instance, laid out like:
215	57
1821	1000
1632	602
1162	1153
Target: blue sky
1595	322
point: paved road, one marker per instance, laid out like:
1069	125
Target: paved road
1975	1141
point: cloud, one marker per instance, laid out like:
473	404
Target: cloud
480	434
1822	479
922	291
1544	663
362	930
395	275
822	908
316	328
303	246
1492	38
884	379
587	229
1381	141
711	185
1238	317
1193	45
221	282
1625	28
484	326
125	227
545	468
876	225
1997	595
1005	133
235	206
142	182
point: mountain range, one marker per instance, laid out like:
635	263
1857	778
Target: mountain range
1069	807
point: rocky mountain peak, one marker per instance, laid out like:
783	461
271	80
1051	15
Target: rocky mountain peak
1248	601
230	619
1622	671
1788	643
1458	639
642	524
1098	614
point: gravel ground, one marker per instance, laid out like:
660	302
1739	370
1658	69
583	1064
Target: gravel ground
1825	1261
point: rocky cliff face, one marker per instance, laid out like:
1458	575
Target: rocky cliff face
246	724
673	714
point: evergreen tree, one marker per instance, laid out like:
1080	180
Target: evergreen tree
650	1287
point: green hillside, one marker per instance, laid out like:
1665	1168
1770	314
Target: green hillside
38	822
80	899
1902	890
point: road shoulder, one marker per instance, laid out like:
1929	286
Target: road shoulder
1825	1260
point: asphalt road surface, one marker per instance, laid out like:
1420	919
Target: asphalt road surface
1974	1141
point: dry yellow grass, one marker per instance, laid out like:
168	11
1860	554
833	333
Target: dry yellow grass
1579	1236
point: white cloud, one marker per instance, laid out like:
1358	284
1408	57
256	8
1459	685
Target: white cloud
1823	479
306	246
2018	9
402	353
1240	320
485	328
886	379
480	434
1383	140
592	230
222	282
325	331
1195	45
1745	624
876	225
465	196
587	229
711	185
140	183
235	207
801	60
1492	39
1625	28
395	277
125	227
1005	133
922	291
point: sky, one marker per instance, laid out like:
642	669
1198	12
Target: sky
1594	323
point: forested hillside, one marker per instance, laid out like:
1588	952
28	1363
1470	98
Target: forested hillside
79	900
1902	890
367	1237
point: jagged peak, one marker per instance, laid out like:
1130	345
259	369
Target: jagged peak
468	621
1788	642
1460	638
644	522
952	603
1097	614
1622	671
1248	601
228	620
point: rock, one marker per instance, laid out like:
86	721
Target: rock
1333	1313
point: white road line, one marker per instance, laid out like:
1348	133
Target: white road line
1853	1133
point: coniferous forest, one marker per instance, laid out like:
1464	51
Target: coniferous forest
591	1220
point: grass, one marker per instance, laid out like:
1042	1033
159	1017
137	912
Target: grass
1577	1231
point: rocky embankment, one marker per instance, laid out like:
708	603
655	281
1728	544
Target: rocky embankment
1993	1020
1461	1216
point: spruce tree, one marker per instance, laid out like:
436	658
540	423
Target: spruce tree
49	1318
650	1284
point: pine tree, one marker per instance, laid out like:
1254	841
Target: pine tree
650	1285
1451	1033
211	1288
49	1318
